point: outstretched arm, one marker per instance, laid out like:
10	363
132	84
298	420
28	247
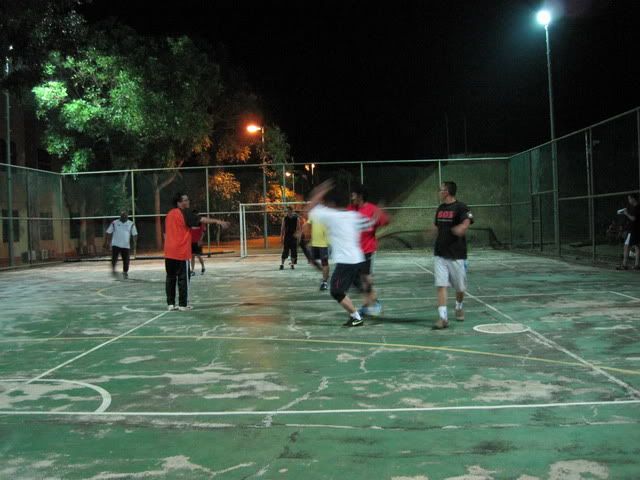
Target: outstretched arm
212	221
318	193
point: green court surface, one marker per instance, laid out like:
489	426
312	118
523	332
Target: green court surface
261	381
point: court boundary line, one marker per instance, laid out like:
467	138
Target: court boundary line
625	295
238	413
552	344
240	303
97	347
342	342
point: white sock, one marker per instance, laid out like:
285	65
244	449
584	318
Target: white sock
442	311
356	315
458	305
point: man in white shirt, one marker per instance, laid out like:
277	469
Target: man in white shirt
344	229
120	232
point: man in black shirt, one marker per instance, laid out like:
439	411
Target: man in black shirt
289	235
452	220
632	240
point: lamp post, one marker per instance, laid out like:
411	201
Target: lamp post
544	19
293	179
255	129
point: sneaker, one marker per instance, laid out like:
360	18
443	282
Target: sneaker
185	309
460	314
292	266
440	325
281	267
202	271
191	273
363	310
125	275
324	286
353	322
171	308
374	310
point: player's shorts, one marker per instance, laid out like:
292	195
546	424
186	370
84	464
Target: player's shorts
344	274
196	249
322	254
632	239
367	266
450	273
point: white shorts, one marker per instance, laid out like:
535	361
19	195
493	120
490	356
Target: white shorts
450	273
627	240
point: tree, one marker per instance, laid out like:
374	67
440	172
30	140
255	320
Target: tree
124	102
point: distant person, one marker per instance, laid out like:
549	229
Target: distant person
344	228
119	235
452	220
632	240
177	249
320	250
196	246
289	235
369	244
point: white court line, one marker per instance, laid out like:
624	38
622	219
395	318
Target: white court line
624	295
97	347
320	412
552	344
272	301
104	394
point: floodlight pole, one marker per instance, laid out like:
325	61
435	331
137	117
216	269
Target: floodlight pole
264	190
554	150
9	174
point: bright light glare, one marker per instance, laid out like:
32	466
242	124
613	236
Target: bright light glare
288	174
253	128
544	17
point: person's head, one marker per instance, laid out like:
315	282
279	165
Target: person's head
633	199
359	195
181	201
124	216
447	190
289	212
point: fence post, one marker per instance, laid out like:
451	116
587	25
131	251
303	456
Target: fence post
61	214
361	173
206	189
638	132
556	195
588	148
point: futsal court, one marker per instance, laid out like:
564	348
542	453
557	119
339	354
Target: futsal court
99	381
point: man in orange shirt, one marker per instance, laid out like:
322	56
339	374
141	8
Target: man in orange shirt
177	249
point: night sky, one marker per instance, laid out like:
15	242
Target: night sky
356	80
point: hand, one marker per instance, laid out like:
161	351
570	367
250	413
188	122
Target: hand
458	230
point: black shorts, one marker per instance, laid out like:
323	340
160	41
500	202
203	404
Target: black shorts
322	254
344	274
196	249
367	266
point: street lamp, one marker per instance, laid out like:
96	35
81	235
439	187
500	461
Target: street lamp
252	128
544	19
293	178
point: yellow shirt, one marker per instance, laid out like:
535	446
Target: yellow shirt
318	235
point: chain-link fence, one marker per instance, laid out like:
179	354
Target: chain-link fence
49	216
597	168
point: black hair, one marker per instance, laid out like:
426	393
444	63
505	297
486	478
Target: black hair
451	187
177	198
361	190
337	198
